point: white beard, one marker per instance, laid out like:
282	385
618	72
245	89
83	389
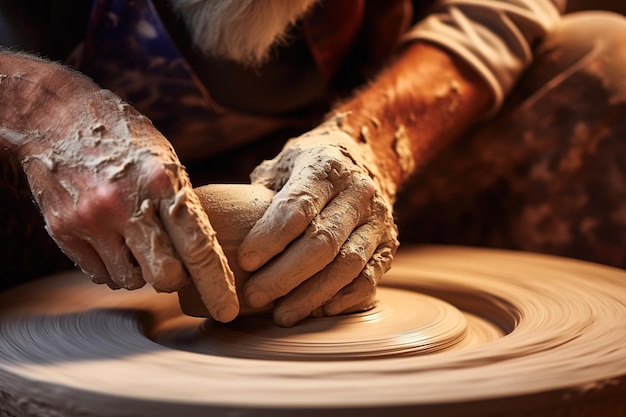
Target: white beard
240	30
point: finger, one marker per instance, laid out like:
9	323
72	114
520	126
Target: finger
292	209
314	292
105	261
366	304
194	239
151	247
86	258
119	263
359	295
364	286
53	195
309	254
317	312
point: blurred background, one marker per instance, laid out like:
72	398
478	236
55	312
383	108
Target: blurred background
614	5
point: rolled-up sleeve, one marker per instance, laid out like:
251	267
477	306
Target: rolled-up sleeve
496	37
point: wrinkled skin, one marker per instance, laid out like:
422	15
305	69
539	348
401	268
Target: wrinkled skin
327	237
118	202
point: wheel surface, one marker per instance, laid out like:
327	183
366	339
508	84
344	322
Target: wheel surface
457	330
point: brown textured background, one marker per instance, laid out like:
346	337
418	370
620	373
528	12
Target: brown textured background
614	5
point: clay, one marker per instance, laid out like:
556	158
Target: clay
402	147
233	210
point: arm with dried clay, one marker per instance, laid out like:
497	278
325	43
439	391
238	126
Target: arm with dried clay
329	235
111	189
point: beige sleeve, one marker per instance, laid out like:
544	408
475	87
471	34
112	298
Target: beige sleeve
496	37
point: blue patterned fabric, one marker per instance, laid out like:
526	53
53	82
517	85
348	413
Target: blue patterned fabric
128	50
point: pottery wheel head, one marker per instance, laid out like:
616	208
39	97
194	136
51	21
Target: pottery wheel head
403	323
457	331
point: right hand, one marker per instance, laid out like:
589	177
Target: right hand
328	235
119	203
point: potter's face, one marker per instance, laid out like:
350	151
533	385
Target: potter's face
240	30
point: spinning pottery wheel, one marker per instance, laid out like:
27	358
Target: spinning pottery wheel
457	331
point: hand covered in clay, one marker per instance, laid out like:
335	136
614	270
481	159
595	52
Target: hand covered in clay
327	237
119	203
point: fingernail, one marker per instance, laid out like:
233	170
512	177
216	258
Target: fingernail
258	299
288	318
228	313
250	261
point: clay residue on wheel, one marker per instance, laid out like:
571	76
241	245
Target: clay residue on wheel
79	348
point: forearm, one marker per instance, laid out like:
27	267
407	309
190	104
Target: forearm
48	105
425	99
36	97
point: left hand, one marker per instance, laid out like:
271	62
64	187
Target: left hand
327	237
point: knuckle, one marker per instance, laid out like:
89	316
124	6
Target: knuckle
365	185
372	273
106	200
382	213
324	246
197	256
306	205
380	207
325	241
161	178
384	254
338	171
292	213
353	255
390	241
394	243
379	264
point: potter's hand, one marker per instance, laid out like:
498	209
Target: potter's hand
327	237
118	202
